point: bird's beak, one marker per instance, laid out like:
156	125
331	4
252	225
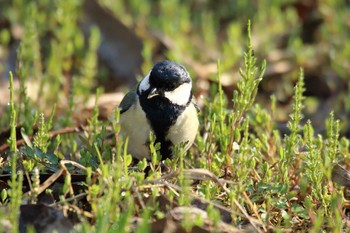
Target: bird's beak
154	92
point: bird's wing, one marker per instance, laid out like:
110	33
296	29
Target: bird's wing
128	100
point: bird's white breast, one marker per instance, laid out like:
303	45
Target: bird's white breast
185	128
135	126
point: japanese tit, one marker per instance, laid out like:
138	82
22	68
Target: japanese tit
162	104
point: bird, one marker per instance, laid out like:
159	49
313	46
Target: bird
162	104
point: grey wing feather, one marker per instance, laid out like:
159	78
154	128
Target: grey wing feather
128	100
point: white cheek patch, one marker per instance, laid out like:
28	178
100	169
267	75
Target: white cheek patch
144	85
180	95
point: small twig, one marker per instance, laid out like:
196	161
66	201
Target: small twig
28	178
138	195
63	163
48	182
73	208
82	212
73	198
75	164
63	166
165	177
253	208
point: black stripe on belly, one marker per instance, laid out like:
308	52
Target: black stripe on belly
162	115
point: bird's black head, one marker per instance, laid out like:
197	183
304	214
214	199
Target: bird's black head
168	75
168	81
